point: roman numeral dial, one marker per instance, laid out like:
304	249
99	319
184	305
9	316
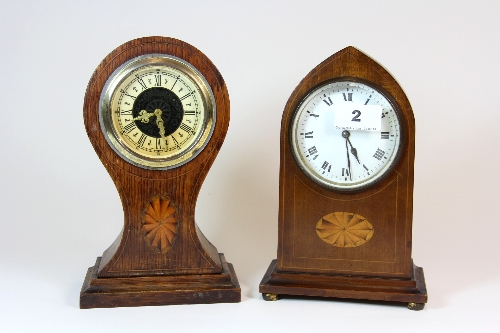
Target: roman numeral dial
345	159
159	112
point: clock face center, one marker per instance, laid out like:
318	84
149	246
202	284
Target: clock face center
165	105
346	134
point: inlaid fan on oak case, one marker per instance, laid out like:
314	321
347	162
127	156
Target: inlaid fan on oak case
156	111
159	224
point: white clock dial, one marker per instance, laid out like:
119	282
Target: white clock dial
345	157
157	111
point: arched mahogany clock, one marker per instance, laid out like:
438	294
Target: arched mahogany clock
346	187
156	111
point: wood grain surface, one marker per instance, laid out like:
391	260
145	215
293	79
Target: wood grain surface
131	255
160	290
388	205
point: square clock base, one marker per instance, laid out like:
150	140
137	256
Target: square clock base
411	291
160	290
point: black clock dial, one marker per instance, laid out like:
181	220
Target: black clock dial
158	98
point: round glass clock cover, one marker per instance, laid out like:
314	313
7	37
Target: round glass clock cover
157	111
329	143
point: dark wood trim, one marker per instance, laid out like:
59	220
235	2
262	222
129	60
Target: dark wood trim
160	290
369	288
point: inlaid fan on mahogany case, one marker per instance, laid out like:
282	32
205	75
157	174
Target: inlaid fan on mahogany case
346	187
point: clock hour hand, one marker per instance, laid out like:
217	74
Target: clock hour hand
354	151
144	116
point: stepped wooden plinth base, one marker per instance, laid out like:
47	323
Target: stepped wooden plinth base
160	290
412	291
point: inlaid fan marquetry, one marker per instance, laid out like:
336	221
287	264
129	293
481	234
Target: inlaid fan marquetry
159	224
343	229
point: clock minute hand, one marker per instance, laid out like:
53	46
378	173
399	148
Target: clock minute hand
159	122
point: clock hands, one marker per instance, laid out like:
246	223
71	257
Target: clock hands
159	123
144	118
354	151
348	160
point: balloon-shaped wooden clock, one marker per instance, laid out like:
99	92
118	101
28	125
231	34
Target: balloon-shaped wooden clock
346	187
156	111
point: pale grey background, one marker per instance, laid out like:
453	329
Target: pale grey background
59	209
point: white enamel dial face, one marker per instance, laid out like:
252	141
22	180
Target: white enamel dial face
157	111
344	160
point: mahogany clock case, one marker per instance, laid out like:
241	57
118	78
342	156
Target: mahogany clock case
131	272
381	268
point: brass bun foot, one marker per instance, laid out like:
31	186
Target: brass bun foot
270	297
416	306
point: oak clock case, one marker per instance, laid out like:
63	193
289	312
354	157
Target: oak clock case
156	111
346	187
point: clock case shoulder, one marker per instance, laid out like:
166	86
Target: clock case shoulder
346	63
